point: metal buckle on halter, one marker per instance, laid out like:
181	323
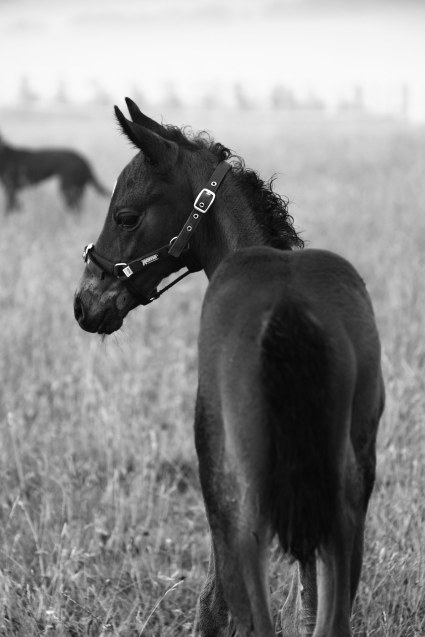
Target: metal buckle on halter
86	251
204	200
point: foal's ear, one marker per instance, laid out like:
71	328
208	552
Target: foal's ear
140	118
157	149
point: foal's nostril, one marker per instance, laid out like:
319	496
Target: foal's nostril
78	308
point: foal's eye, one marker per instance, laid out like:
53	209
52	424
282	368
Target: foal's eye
127	219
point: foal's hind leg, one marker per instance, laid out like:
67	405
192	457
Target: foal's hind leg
336	580
299	610
237	582
235	596
214	612
358	544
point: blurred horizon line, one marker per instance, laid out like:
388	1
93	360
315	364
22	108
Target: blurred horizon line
398	100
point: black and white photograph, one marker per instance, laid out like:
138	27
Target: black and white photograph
212	302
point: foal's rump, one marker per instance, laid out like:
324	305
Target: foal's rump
278	368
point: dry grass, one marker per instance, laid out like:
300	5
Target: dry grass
101	518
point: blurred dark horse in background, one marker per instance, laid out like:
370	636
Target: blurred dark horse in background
290	387
21	167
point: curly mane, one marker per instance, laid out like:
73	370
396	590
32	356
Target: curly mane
271	209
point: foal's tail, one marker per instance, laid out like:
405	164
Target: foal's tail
303	481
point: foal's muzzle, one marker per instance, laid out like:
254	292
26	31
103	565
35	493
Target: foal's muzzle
100	306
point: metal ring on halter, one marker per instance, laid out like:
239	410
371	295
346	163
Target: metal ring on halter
86	251
172	242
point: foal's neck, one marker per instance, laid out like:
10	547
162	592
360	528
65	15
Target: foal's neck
229	225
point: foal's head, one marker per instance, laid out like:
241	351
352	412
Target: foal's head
151	201
151	197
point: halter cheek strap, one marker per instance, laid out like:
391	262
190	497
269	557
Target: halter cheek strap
178	247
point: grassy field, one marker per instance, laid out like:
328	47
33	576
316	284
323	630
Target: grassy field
102	526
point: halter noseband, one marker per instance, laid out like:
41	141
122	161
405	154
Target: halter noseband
178	247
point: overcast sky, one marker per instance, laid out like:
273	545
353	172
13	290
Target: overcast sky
199	47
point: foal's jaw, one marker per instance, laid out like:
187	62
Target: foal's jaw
102	310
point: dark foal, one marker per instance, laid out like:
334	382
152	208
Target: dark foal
22	167
290	386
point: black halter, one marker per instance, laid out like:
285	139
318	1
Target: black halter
177	248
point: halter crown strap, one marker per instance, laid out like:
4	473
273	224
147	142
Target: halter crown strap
203	202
